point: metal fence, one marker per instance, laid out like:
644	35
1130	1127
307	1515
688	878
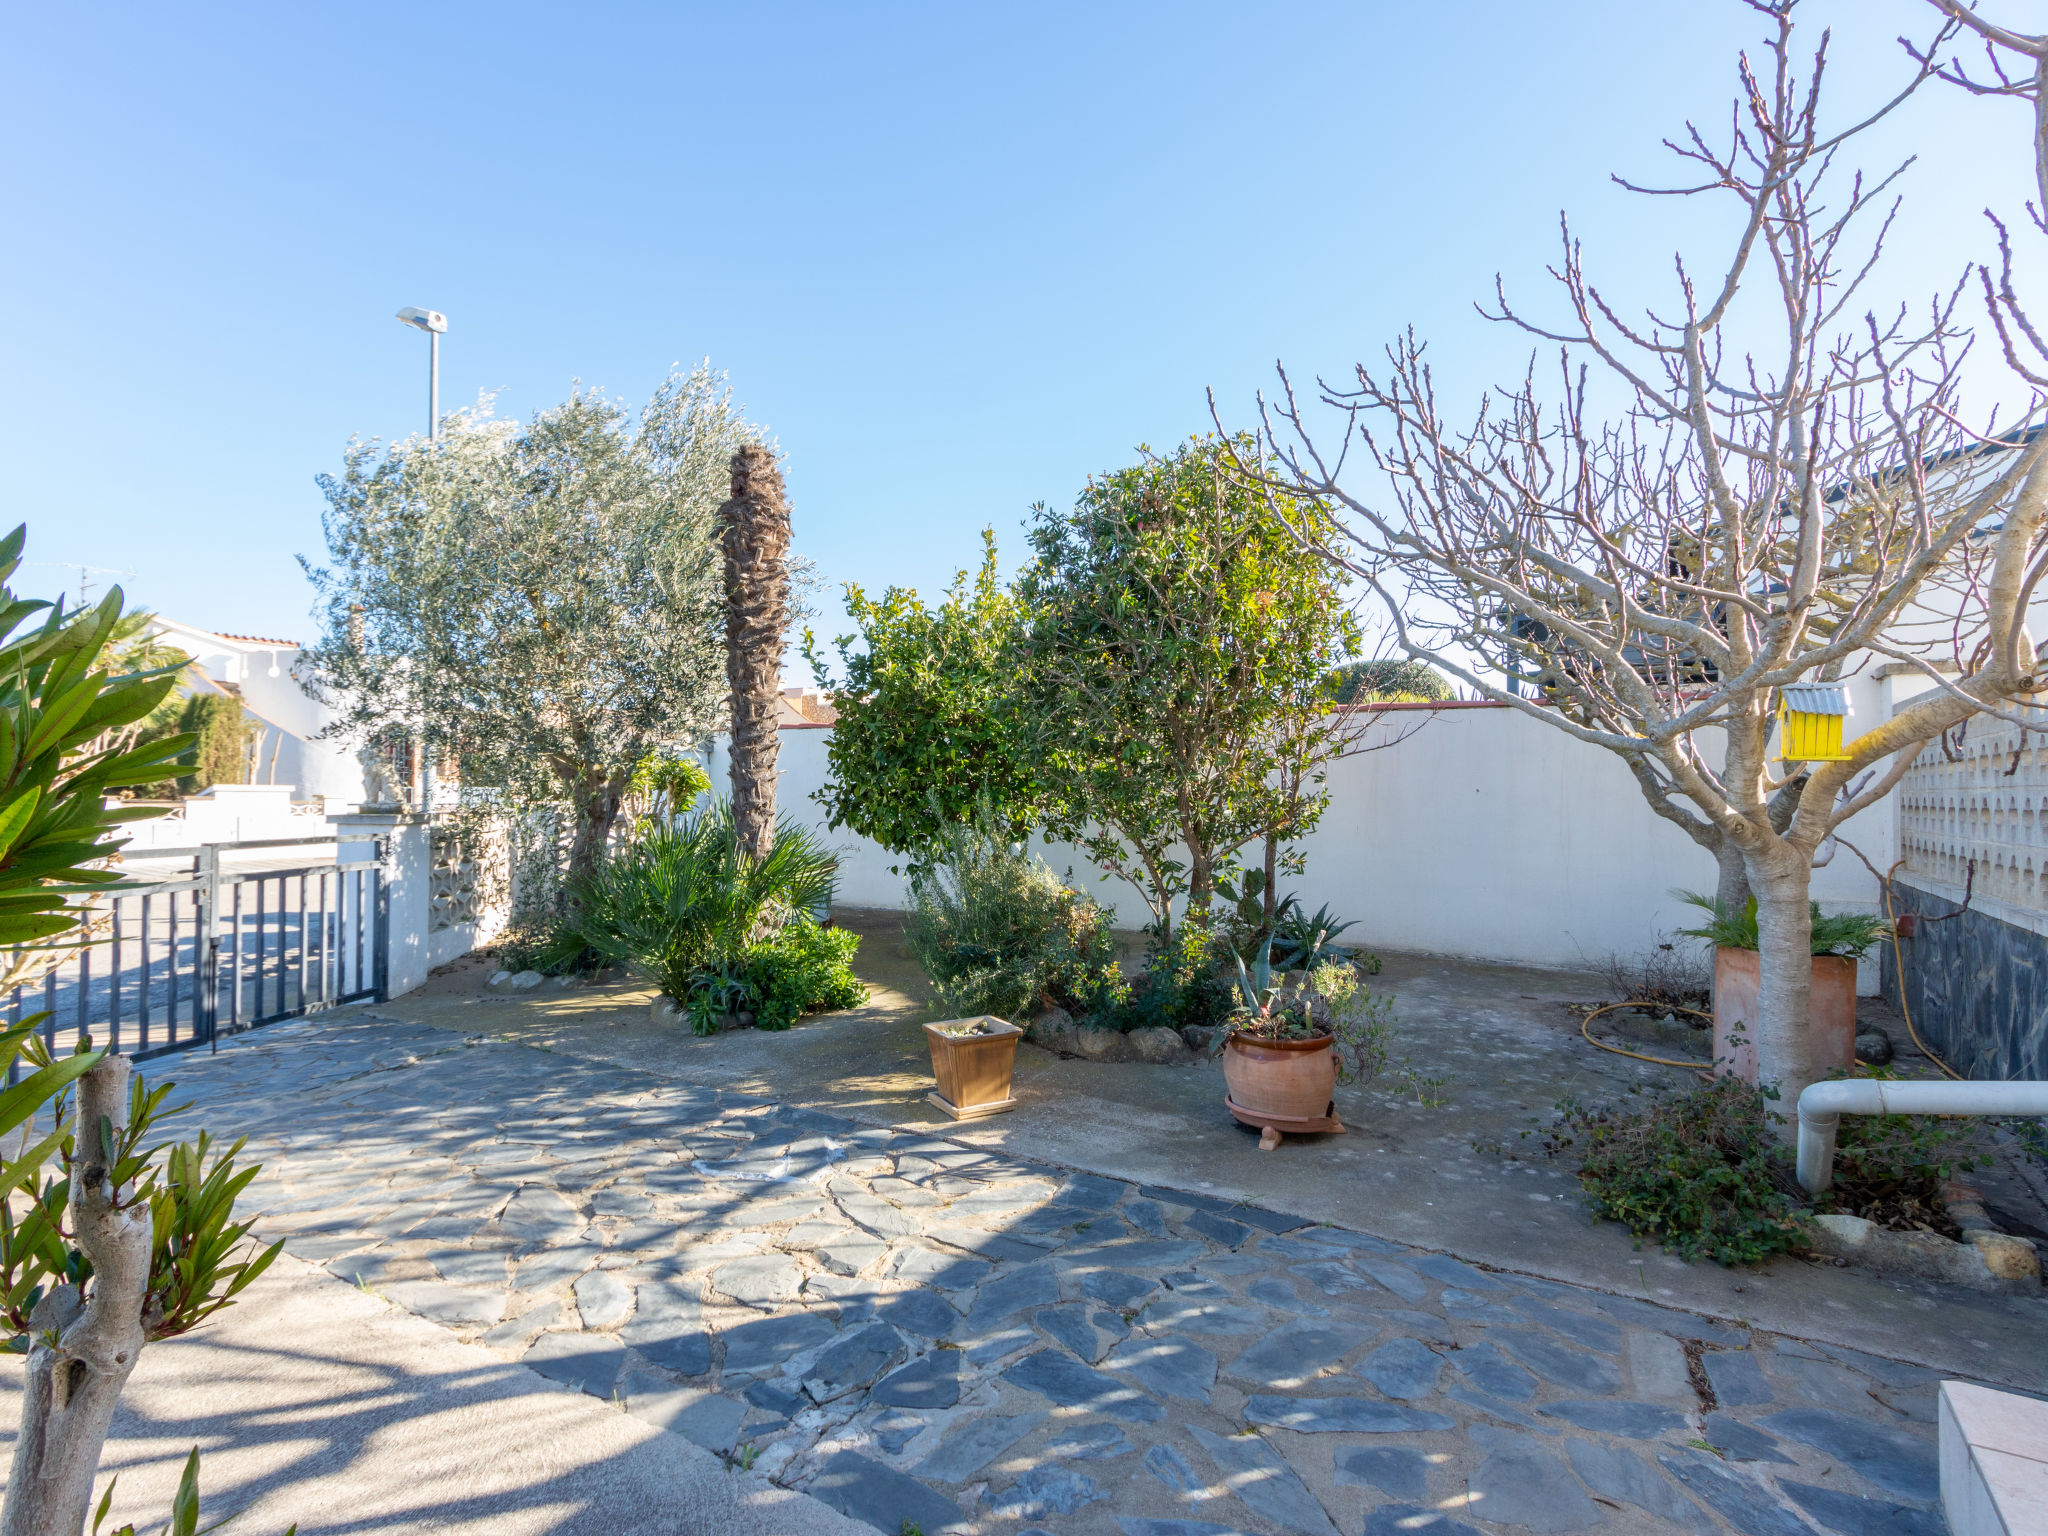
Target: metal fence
184	958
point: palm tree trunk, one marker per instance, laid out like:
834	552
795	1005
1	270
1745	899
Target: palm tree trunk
756	532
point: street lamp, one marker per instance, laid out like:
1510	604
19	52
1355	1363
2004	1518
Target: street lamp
433	322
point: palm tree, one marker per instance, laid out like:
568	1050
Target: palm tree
756	531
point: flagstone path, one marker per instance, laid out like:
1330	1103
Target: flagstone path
938	1338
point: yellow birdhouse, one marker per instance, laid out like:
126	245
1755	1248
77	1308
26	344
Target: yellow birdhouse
1810	719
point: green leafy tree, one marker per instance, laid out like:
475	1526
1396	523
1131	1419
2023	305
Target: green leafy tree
1179	639
540	605
931	730
101	1249
223	732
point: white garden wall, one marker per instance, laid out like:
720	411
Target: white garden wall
1483	834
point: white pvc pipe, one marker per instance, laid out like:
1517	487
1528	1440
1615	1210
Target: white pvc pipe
1822	1106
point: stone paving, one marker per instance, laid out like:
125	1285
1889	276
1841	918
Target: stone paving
940	1338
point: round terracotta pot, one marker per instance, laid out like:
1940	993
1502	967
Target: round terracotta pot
1286	1079
1830	1012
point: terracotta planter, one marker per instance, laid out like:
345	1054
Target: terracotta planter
1832	1012
973	1070
1281	1085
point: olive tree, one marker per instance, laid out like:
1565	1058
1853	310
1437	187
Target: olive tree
1786	490
1176	653
539	605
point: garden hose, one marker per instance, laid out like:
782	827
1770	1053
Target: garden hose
1662	1061
1906	1012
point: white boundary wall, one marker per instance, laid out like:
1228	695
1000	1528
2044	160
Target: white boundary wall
1484	834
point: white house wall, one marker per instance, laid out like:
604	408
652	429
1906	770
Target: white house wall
1484	834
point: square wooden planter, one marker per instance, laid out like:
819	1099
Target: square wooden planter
973	1070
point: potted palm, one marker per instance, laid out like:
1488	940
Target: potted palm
1285	1051
1839	941
973	1060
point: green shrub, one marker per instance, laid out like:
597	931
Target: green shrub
1848	934
1180	986
803	969
686	898
998	932
1696	1172
554	948
1890	1168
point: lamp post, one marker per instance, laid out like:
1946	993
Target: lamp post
433	322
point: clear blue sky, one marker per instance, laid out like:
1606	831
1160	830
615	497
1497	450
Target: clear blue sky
955	257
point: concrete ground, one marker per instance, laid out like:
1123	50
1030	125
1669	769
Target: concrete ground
1105	1314
317	1403
1459	1179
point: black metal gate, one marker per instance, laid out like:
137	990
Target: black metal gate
182	960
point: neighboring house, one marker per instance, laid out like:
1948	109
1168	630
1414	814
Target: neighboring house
257	671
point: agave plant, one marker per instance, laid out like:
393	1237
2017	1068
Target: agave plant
1307	942
690	897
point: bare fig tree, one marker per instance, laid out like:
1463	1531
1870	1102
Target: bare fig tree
1764	481
755	523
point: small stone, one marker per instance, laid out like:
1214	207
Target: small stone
603	1299
1146	1216
1115	1288
928	1266
525	981
1619	1474
553	1268
1011	1292
755	1347
1069	1384
1562	1364
1403	1368
1736	1441
1295	1354
587	1361
1157	1045
1398	1278
1523	1484
1397	1471
853	1360
764	1280
1266	1483
1736	1380
1198	1037
1044	1491
1090	1442
896	1429
1609	1416
1900	1463
973	1446
1596	1332
1742	1503
1450	1271
1279	1294
1467	1307
1841	1511
709	1419
1341	1416
1088	1331
542	1216
851	1254
451	1306
1176	1367
1104	1044
864	1489
1218	1229
1656	1367
1874	1047
930	1381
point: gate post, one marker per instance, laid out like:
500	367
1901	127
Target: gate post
380	942
207	999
